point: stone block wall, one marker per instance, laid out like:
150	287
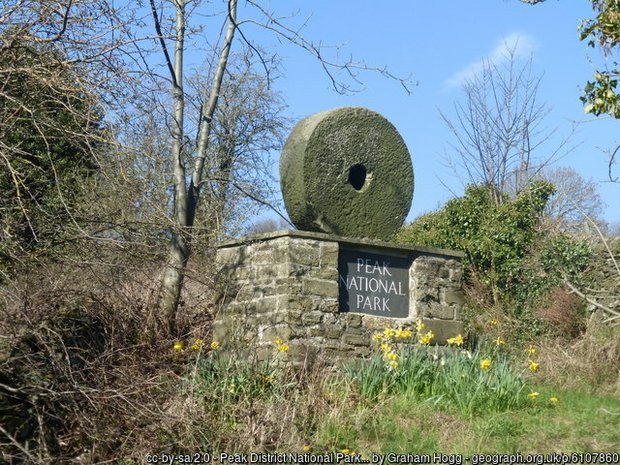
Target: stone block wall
286	285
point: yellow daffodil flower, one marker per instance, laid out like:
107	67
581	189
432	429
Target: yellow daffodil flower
393	364
197	345
404	333
389	332
426	339
419	325
215	345
531	350
178	346
533	395
485	364
500	342
534	366
456	340
553	400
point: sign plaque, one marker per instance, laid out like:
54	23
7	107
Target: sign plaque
374	284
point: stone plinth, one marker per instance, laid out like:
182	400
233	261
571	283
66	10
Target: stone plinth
327	295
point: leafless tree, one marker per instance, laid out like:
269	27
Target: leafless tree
141	50
498	131
248	126
267	225
575	205
192	170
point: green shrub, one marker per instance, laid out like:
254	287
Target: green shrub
505	250
495	239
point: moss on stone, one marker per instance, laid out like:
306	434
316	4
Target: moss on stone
347	171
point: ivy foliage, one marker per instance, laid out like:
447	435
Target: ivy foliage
503	244
48	133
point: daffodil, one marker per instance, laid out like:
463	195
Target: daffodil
197	345
419	325
280	345
377	337
393	364
533	395
178	346
403	333
215	345
307	448
531	350
553	400
392	356
500	342
485	364
385	347
493	322
456	340
389	332
534	366
426	339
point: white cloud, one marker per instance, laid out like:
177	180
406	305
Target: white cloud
522	44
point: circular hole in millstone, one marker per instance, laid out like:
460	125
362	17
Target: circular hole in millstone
357	176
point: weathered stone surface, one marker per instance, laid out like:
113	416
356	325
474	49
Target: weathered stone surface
435	310
320	287
353	320
329	254
312	318
443	329
454	297
347	171
355	339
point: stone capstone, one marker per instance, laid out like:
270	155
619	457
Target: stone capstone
347	171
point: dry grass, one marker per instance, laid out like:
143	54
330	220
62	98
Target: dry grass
86	372
591	362
563	313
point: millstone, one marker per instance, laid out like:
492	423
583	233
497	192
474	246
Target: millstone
347	171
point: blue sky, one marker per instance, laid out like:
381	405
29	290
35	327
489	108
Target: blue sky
439	44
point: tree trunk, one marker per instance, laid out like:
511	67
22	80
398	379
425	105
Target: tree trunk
186	197
172	279
178	254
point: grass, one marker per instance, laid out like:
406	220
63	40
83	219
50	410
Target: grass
430	401
578	423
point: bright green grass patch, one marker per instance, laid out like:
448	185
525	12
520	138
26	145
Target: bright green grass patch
576	423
